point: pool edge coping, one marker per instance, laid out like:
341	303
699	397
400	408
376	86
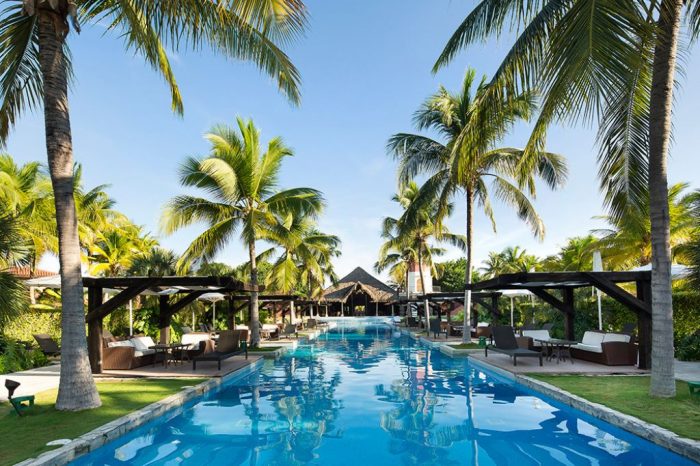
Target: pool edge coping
112	430
688	448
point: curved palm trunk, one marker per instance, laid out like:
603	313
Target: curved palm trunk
254	314
466	334
76	388
662	363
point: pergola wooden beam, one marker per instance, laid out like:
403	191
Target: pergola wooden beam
120	299
228	283
619	294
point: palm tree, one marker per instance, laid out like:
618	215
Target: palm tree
13	251
470	157
116	249
35	69
614	63
413	234
627	243
575	255
156	262
241	178
512	259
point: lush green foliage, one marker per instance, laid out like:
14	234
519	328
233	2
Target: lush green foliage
14	357
688	348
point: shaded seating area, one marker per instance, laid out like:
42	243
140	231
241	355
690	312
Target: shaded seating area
359	294
611	349
231	343
506	343
557	290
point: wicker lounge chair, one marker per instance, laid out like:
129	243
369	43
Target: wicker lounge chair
505	343
47	344
231	343
436	328
290	330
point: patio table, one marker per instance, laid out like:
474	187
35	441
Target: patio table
168	352
557	347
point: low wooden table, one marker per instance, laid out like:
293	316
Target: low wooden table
168	352
557	347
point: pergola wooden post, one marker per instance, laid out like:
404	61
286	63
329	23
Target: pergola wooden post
130	287
95	331
644	325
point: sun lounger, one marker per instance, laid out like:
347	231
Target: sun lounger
231	343
290	330
47	344
436	328
505	343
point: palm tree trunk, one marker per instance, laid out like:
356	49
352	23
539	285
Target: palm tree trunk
663	382
76	388
254	314
466	334
422	286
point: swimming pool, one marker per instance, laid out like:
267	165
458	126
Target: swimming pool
363	395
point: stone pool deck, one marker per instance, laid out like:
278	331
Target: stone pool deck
531	365
204	369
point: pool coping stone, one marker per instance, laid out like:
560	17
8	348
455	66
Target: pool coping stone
104	434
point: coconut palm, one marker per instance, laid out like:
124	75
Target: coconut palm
13	251
240	177
611	62
470	158
414	234
35	70
575	255
627	243
156	262
116	249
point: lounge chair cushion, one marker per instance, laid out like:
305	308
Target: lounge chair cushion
590	348
193	339
242	327
483	324
114	344
269	327
537	335
140	353
616	337
593	338
142	343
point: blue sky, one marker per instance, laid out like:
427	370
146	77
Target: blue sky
365	68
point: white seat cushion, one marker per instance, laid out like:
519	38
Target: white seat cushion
139	353
241	327
193	339
483	324
114	344
590	348
269	327
616	337
142	343
592	338
537	335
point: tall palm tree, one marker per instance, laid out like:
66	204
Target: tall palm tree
512	259
414	234
613	62
470	157
35	70
575	255
156	262
627	243
241	178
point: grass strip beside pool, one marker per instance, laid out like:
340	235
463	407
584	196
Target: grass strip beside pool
264	349
26	437
630	395
466	346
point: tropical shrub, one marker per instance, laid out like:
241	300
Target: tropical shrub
15	357
33	321
688	349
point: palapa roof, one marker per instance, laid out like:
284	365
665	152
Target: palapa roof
359	280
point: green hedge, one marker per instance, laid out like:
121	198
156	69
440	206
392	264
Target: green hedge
34	321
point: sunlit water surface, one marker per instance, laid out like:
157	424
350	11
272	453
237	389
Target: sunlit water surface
364	395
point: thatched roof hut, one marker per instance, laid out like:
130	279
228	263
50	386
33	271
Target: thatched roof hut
359	281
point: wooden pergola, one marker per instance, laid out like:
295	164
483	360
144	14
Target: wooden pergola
546	286
174	293
486	299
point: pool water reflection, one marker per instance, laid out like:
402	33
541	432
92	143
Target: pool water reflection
364	395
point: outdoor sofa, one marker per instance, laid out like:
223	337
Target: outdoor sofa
125	354
506	343
230	343
611	349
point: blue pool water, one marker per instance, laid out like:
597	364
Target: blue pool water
364	395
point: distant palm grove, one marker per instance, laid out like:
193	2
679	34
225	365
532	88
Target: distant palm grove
610	64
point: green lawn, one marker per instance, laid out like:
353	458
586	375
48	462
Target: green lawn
466	346
629	395
29	434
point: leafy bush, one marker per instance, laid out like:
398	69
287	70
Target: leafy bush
688	348
16	357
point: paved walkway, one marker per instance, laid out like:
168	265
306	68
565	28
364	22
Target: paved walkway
688	370
33	381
